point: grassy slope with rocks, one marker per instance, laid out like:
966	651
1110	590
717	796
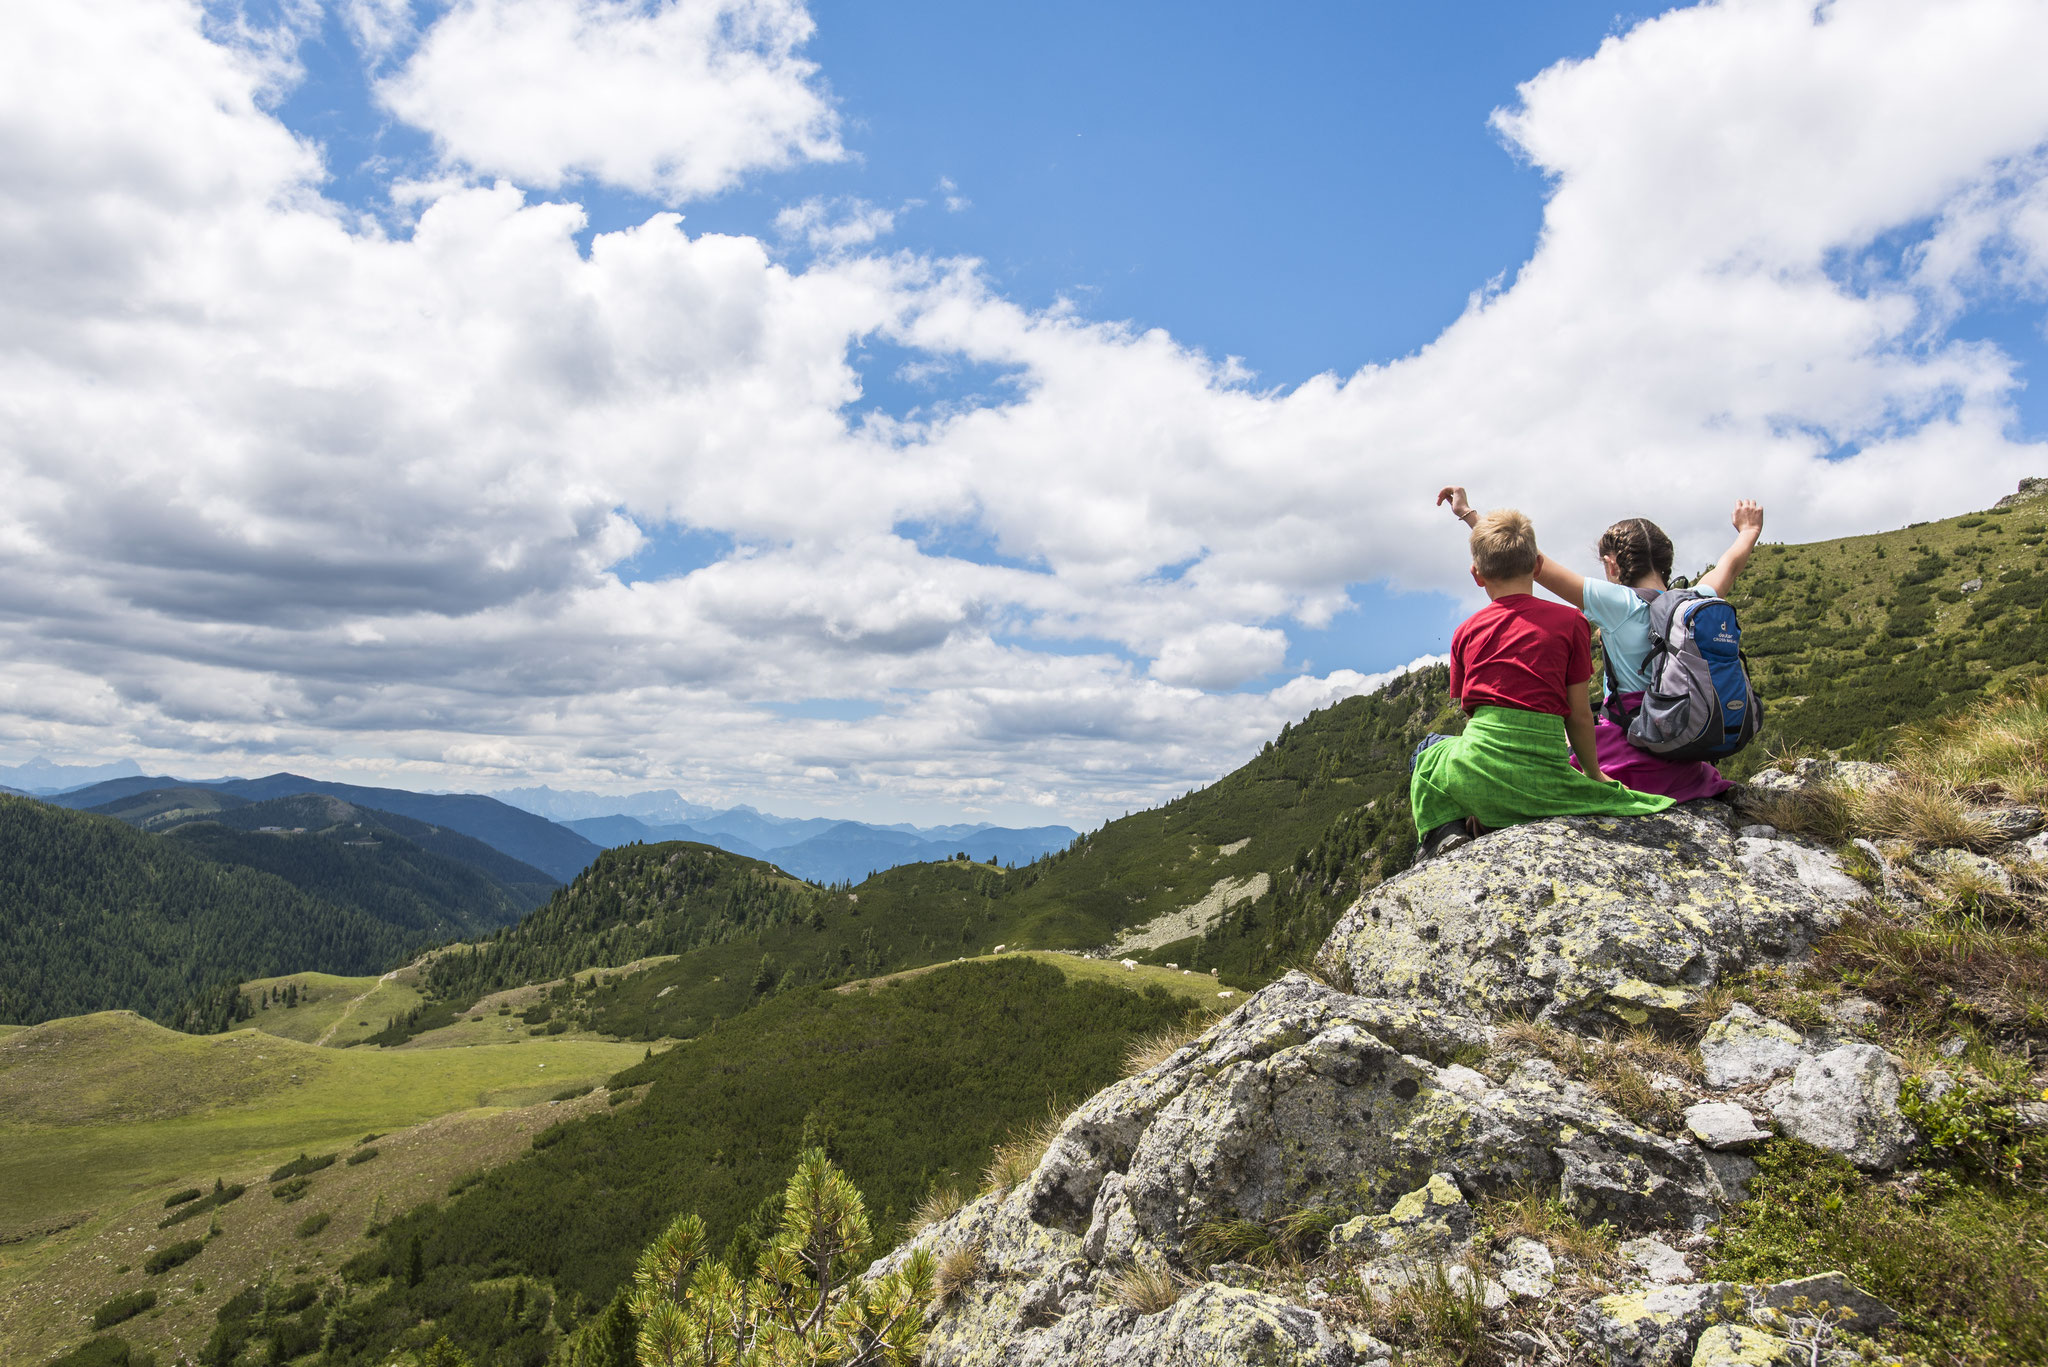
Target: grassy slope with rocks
1848	639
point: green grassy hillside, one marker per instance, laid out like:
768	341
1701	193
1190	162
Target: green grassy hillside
1848	639
102	1117
321	1008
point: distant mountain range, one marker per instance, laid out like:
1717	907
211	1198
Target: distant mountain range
824	850
558	833
555	850
39	777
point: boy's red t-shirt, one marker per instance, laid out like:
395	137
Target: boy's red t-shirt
1520	651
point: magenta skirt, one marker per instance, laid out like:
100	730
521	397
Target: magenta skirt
1679	780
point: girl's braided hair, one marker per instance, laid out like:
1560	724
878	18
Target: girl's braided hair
1640	547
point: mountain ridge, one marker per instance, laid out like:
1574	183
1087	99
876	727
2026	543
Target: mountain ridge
555	850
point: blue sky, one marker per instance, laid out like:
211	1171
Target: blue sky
360	455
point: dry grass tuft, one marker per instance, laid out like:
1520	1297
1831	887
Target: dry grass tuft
1332	971
1233	1241
1536	1214
940	1203
1929	970
1613	1068
958	1269
1015	1161
1151	1051
1144	1289
1947	772
1440	1311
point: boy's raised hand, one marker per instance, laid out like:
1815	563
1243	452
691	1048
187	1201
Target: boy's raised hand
1454	494
1748	516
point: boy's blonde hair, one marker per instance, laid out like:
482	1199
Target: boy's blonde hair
1503	545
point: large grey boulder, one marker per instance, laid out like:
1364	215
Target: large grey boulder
1594	919
1846	1101
1743	1048
1297	1099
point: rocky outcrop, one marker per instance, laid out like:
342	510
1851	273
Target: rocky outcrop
1303	1097
1590	919
1363	1107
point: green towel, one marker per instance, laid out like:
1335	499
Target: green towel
1512	766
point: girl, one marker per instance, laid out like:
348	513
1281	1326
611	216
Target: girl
1636	554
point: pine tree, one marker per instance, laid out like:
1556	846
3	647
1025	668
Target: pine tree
805	1302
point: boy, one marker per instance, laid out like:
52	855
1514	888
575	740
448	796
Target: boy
1520	668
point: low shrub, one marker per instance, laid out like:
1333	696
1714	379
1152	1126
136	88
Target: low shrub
313	1224
302	1165
573	1093
551	1135
219	1196
291	1189
108	1350
361	1156
1904	1242
467	1180
172	1255
179	1198
112	1312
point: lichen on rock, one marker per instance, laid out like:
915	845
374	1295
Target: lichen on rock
1594	920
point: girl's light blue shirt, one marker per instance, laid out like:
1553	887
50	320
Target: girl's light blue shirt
1624	622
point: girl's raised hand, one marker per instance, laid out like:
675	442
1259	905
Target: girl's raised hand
1748	516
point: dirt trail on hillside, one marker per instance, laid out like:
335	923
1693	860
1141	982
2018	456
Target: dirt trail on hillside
350	1009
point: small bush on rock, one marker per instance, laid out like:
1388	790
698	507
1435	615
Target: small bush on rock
362	1156
1153	1050
1015	1161
1442	1307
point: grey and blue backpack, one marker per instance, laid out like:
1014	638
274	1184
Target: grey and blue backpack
1699	703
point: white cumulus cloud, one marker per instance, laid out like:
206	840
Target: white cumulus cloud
675	99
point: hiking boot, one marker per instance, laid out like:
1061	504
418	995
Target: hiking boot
1444	839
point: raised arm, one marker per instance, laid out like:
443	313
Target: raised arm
1569	585
1748	520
